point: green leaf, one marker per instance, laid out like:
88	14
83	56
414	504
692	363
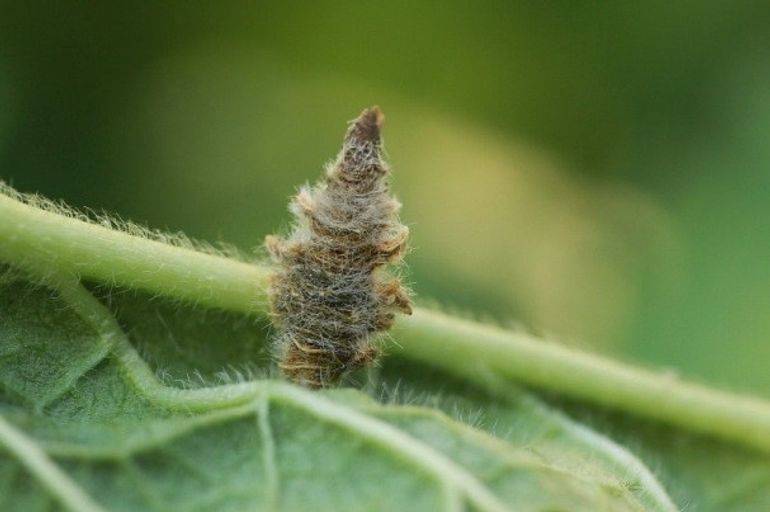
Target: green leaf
699	473
108	435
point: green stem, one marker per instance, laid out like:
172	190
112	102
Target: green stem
45	242
474	350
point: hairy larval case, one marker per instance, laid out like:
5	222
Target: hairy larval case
330	295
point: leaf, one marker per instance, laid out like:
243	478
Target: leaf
75	390
700	474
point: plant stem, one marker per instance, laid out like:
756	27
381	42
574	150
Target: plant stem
45	243
474	350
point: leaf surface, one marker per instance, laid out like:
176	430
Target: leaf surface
120	438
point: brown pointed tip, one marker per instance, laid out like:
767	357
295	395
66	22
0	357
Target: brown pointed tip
366	128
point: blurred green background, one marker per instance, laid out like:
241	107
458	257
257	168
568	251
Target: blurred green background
596	172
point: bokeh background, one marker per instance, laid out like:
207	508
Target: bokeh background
595	172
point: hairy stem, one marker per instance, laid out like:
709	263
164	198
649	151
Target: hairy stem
45	243
475	350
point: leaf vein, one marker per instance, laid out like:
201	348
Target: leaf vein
50	475
268	454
